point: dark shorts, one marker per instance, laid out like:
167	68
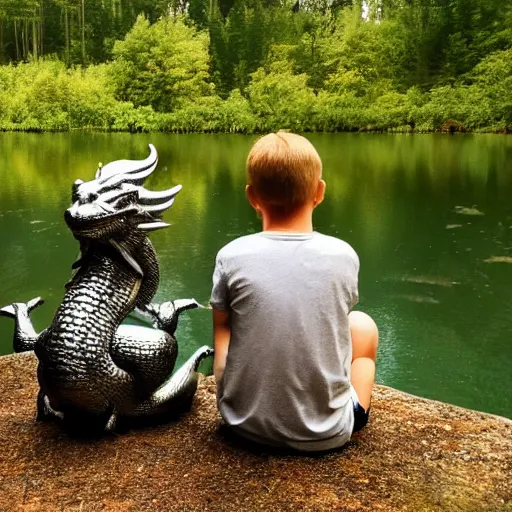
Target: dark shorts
360	417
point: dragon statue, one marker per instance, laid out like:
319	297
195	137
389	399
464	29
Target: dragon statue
95	372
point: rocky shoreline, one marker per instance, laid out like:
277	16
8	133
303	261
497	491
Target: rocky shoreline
415	455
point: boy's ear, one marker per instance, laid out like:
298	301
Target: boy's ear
320	193
251	196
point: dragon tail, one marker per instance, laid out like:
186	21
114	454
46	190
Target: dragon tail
24	335
177	392
12	310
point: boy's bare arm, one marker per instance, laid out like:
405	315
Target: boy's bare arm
221	337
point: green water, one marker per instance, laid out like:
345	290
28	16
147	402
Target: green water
444	313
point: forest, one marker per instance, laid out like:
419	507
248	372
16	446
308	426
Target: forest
249	66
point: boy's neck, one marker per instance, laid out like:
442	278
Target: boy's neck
300	221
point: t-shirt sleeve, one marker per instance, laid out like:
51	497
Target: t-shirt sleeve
220	293
353	287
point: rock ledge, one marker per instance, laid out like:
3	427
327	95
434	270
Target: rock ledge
415	455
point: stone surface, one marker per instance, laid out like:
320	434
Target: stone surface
415	455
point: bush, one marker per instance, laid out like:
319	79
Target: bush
159	80
164	65
279	99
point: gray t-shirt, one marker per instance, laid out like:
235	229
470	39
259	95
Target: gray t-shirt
287	375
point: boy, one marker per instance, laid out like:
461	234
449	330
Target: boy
294	367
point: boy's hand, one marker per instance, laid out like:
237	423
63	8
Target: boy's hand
221	337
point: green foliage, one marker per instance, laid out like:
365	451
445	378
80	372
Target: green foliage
482	102
34	95
245	66
44	95
374	51
237	115
241	42
164	65
280	99
339	112
212	114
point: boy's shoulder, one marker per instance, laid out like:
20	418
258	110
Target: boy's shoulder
338	248
240	245
334	243
256	241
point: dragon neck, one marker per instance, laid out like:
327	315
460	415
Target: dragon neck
133	254
145	256
139	254
100	295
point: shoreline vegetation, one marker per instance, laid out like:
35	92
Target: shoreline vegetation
253	66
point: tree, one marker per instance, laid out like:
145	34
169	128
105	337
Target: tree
280	98
24	16
161	65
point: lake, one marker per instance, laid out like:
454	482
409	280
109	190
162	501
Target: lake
429	215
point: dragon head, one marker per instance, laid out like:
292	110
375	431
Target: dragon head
115	203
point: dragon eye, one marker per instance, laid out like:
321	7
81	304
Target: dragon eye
82	192
87	197
126	199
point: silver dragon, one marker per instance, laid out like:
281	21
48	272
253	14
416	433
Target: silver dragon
94	371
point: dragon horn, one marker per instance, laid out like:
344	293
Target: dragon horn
128	171
151	201
148	197
152	226
154	204
156	209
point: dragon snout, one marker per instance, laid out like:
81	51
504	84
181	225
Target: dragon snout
92	219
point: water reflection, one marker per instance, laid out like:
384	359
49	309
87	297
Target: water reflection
406	203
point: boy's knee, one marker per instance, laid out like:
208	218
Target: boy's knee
364	326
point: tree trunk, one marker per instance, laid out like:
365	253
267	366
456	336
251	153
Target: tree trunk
2	41
27	47
23	47
34	39
41	28
66	30
16	39
83	32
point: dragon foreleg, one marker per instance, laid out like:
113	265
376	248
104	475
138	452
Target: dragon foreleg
165	316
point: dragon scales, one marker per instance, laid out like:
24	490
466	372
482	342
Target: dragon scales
93	371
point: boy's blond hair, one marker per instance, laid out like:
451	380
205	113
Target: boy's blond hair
283	169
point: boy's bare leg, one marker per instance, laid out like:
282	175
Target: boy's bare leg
365	339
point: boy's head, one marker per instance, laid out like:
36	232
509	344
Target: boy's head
284	173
